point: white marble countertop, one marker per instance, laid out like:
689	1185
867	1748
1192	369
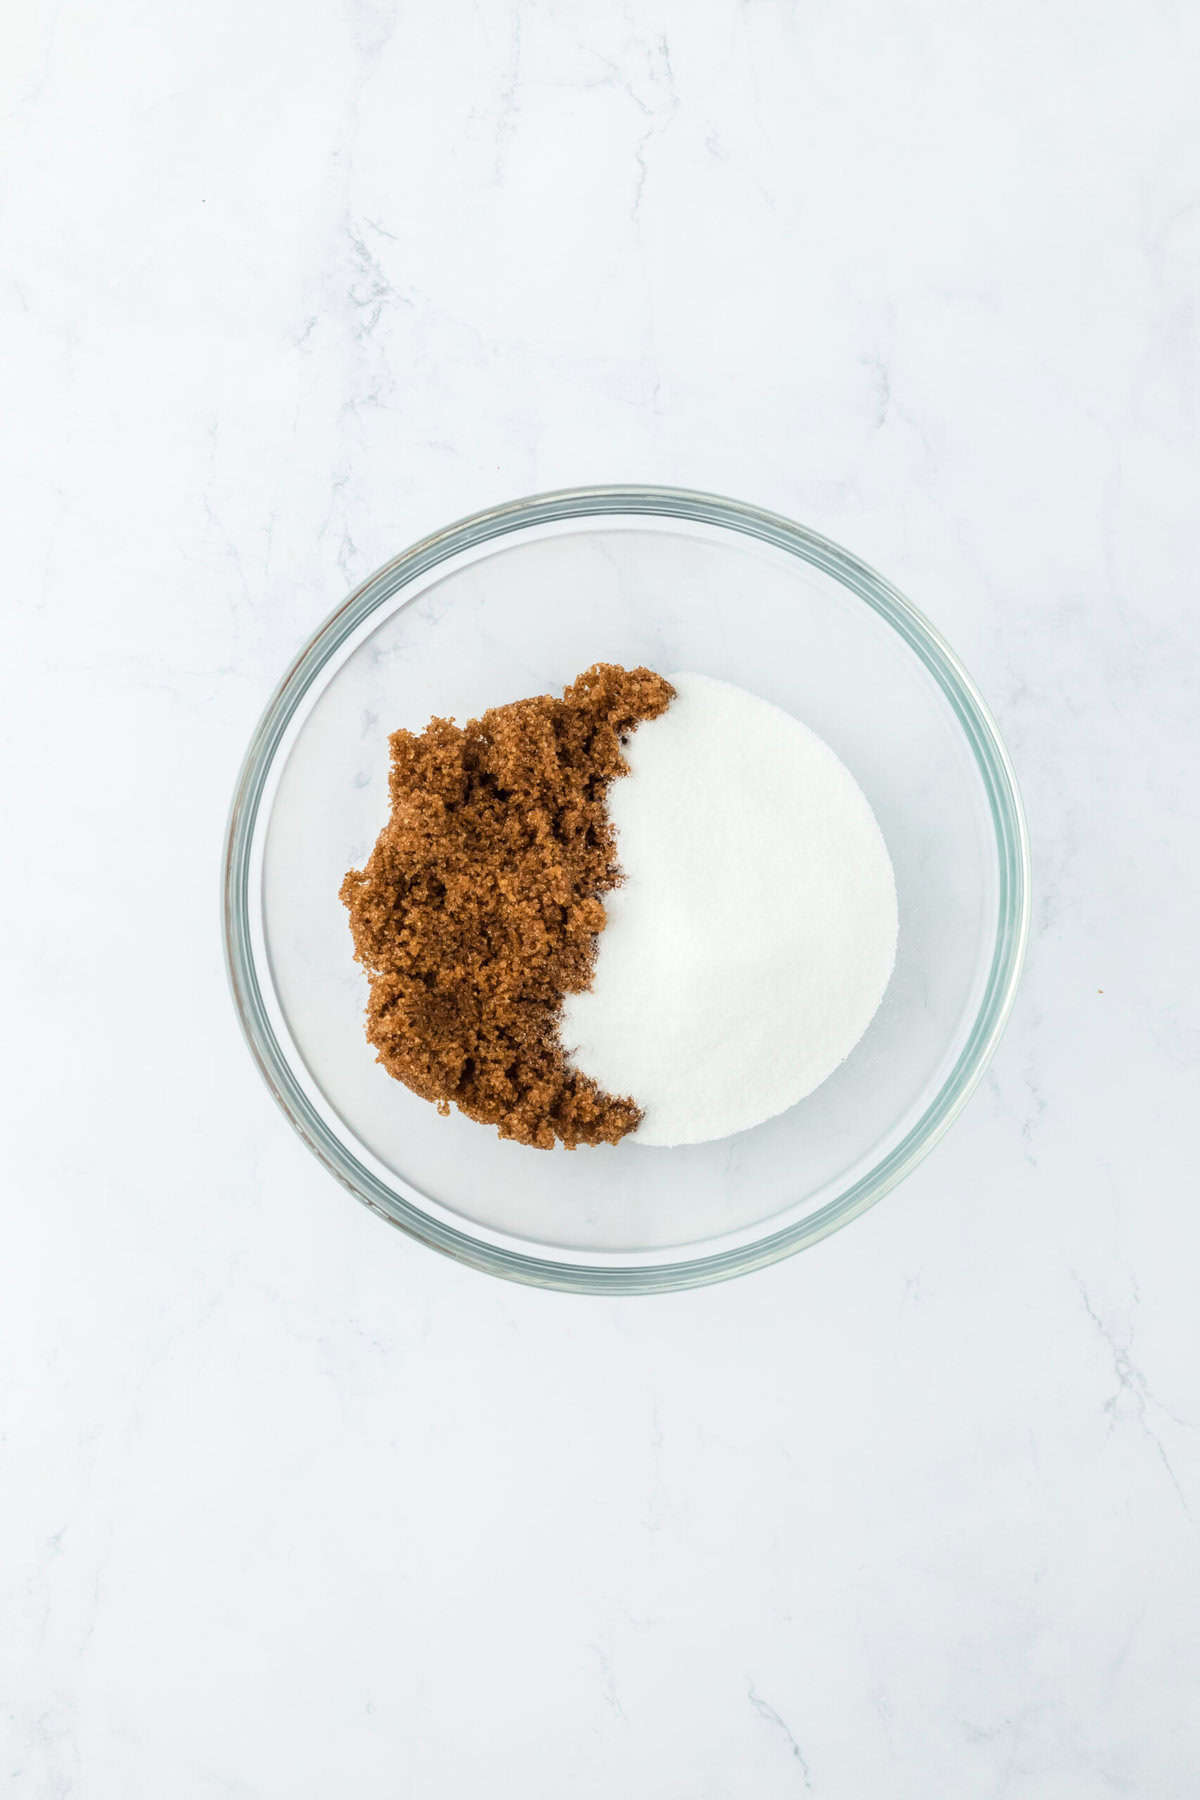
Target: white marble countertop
291	1508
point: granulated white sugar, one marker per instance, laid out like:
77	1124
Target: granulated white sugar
754	934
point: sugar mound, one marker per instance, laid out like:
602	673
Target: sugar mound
754	934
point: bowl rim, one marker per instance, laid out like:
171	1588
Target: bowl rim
992	760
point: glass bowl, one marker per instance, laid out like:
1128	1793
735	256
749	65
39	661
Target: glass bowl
517	601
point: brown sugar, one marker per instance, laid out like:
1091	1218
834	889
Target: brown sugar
480	905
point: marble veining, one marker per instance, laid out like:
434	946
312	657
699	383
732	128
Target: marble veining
291	1508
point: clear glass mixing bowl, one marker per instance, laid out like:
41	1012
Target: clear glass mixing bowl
517	601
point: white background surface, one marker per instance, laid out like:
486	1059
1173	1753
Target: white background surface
291	1508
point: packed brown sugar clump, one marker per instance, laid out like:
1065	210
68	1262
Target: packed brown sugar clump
480	905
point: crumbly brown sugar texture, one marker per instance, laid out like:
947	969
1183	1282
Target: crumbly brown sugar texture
480	905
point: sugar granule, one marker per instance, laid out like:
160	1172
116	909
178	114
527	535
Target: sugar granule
754	933
480	906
